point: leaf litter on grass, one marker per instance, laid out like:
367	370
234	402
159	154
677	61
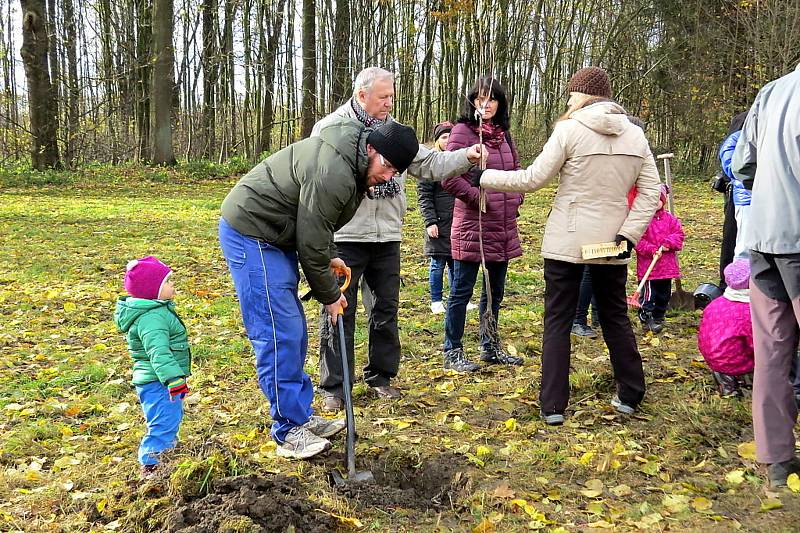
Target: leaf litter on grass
65	373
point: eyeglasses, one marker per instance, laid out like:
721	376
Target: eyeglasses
386	164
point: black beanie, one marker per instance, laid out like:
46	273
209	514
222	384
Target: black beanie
396	142
441	128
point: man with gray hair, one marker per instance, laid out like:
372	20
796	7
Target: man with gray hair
767	160
370	245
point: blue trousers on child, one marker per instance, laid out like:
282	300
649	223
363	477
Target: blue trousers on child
163	417
266	280
436	275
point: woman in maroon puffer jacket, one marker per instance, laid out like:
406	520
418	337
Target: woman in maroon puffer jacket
500	236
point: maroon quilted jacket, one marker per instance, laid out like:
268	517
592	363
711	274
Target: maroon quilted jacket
500	236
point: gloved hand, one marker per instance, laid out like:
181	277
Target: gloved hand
623	255
177	388
475	177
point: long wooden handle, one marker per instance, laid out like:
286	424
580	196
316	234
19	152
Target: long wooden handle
656	257
668	176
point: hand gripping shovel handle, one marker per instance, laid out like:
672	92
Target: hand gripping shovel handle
340	271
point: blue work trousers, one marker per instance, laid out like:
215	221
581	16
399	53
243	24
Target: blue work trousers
266	280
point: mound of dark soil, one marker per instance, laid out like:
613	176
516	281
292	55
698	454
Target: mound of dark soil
252	503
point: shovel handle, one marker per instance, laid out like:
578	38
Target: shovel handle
343	271
348	401
656	257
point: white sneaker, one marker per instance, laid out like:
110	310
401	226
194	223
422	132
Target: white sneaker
437	308
471	306
322	427
300	443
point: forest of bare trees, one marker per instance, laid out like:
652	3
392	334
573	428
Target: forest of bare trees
167	80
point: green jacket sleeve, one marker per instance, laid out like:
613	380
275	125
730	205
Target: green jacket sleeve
322	200
154	333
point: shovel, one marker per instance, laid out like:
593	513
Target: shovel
353	476
633	299
680	299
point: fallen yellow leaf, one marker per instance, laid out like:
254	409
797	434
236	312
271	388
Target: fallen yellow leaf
747	450
793	482
621	490
771	503
594	488
503	491
701	504
484	526
346	520
735	477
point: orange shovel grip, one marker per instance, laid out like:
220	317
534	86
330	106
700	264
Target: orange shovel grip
347	275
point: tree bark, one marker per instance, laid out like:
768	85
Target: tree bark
209	60
341	49
163	82
308	116
144	35
41	97
73	93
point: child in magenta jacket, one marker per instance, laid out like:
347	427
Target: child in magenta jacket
725	334
664	231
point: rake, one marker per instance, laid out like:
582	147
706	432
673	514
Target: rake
633	299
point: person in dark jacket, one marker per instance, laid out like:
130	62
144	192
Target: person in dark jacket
497	227
730	232
436	207
738	194
286	210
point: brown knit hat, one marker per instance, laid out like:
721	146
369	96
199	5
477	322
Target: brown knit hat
590	80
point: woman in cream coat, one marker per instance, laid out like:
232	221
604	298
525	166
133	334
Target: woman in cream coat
599	156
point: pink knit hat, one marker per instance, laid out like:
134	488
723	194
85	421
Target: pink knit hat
737	274
144	277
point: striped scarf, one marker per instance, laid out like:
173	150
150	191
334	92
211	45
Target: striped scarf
391	188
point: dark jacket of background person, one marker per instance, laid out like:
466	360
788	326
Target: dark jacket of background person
436	206
500	235
299	196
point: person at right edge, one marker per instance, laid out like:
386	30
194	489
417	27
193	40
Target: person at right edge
599	155
767	161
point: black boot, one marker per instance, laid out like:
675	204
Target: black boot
649	323
494	355
727	384
456	360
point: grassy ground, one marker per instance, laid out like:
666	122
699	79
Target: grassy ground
70	423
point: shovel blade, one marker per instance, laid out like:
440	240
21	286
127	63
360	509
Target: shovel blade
338	480
682	301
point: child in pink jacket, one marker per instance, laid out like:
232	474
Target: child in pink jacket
664	231
725	335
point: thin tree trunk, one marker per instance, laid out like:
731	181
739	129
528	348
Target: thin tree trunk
309	68
210	61
341	49
143	70
73	93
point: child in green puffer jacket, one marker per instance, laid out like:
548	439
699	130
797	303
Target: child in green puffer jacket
159	346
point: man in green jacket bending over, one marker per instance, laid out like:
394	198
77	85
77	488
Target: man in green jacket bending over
286	210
